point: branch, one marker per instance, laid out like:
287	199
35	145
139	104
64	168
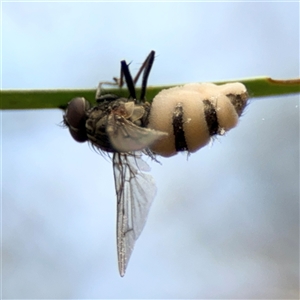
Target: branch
58	98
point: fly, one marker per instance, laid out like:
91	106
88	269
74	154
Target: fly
182	118
118	126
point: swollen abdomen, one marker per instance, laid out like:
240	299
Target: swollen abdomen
192	113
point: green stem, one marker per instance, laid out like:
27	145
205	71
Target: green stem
58	98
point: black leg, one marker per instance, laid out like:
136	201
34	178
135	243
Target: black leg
128	78
145	68
147	65
137	76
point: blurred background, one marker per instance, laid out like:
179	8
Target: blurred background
225	221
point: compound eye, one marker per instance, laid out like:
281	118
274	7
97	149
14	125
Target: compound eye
75	118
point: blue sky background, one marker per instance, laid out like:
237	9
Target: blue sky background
225	221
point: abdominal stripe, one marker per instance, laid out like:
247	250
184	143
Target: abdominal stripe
180	142
211	117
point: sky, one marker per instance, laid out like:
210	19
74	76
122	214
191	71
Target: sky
225	220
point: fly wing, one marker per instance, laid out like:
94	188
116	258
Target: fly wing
126	136
135	192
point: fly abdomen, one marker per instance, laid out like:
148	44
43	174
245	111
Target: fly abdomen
193	113
178	122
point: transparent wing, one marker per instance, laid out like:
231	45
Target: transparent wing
135	192
126	136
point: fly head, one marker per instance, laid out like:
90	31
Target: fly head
75	118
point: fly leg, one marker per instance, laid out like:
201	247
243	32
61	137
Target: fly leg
145	68
100	98
130	82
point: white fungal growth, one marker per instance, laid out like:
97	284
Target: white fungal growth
205	106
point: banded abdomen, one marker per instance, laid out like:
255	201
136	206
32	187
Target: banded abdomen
193	113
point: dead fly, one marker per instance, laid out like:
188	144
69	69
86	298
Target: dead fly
118	125
183	118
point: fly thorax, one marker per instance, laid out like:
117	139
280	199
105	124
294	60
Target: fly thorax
96	127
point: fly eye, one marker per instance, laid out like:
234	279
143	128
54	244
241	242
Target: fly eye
75	118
